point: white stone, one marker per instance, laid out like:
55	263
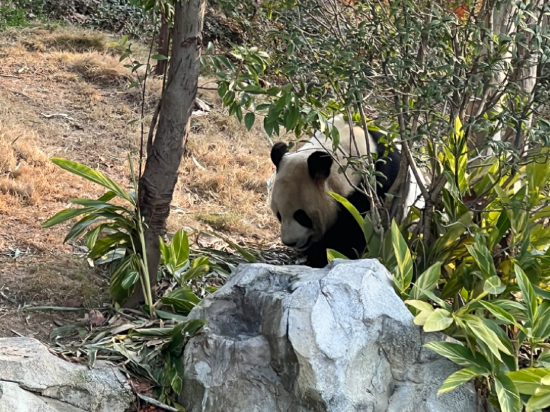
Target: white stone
296	339
30	372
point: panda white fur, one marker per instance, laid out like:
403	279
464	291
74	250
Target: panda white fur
311	220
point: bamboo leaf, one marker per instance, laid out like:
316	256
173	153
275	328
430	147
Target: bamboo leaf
93	176
65	215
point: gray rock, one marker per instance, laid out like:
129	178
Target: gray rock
296	339
33	379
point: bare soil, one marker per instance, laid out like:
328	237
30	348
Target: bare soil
64	93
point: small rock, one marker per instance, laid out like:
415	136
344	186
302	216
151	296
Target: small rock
74	303
96	318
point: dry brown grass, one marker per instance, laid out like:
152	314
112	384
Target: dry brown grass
52	37
65	98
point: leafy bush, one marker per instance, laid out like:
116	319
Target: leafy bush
113	233
114	236
487	275
465	95
12	16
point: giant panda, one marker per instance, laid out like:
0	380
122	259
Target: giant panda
311	220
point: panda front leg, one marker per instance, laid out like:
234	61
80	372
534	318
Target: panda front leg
317	255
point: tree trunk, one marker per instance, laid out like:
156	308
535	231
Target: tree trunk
162	47
164	155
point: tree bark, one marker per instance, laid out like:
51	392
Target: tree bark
164	156
162	47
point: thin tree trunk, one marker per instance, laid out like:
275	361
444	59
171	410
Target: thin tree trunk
164	157
162	47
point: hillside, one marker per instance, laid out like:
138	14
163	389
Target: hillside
64	93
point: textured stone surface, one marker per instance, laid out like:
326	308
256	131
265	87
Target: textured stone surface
296	339
33	379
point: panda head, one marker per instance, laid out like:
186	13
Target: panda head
299	196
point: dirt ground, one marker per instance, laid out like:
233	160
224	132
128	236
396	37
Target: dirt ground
64	93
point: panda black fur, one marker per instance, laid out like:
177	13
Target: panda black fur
311	220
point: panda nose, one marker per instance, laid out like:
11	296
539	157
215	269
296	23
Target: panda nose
290	244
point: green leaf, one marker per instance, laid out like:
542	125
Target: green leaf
460	355
352	209
97	204
182	299
179	333
159	57
130	278
249	120
483	258
250	258
200	266
528	380
528	294
494	286
164	251
437	300
254	89
544	358
65	215
460	378
374	245
542	325
498	313
80	226
543	293
404	260
420	305
508	395
105	244
273	91
91	237
438	320
476	326
118	293
179	249
426	281
452	235
333	254
93	176
540	400
421	317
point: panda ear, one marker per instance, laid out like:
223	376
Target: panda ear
277	153
319	164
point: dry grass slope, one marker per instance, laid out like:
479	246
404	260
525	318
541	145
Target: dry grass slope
64	93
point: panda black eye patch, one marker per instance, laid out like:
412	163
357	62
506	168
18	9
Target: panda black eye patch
303	219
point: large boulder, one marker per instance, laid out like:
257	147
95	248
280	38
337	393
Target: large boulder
296	339
33	379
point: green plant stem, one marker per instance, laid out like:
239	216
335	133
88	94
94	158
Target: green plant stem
145	272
